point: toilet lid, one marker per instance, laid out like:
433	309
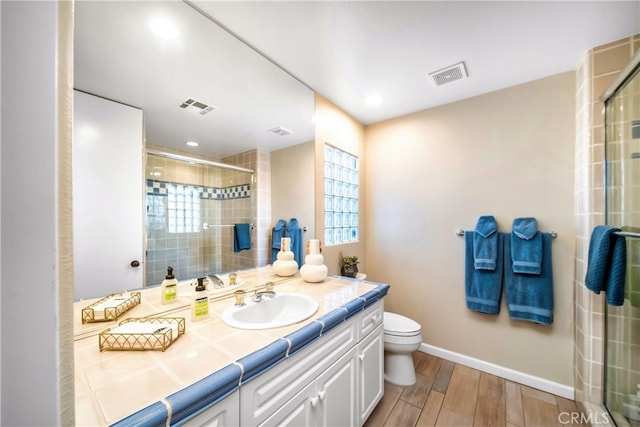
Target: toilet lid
395	324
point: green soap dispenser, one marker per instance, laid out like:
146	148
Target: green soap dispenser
200	303
169	287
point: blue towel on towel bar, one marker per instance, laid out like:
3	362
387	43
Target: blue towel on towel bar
529	296
241	237
295	233
607	263
526	246
485	243
277	233
483	288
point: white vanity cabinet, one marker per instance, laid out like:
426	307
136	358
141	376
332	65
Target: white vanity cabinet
335	381
223	413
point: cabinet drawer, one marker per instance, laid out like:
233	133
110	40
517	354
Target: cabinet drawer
370	319
263	395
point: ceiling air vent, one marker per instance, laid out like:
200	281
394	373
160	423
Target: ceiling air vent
449	74
280	131
197	107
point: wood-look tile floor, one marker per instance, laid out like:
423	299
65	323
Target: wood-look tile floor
451	395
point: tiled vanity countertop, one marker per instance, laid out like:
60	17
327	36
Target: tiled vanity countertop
112	385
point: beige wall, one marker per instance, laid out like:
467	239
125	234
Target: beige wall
508	154
292	187
335	127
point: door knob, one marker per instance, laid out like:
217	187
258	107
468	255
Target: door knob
135	263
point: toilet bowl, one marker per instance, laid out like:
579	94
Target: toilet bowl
402	336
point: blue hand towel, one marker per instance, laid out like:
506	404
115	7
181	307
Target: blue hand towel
530	297
295	233
485	243
607	263
241	237
526	246
277	233
483	288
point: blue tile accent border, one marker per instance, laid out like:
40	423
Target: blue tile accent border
303	336
197	397
262	359
161	188
332	319
153	415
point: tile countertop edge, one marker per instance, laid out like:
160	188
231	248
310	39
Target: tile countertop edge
198	396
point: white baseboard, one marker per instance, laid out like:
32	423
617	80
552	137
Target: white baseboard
500	371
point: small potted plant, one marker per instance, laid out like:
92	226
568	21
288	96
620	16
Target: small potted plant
349	266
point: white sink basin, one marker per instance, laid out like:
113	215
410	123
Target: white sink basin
285	309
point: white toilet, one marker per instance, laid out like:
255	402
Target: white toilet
402	336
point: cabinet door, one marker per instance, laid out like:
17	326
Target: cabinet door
299	411
108	207
224	413
337	403
370	372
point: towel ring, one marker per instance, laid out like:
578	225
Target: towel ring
460	232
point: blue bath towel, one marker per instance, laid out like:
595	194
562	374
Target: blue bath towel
529	296
526	246
607	263
295	233
483	288
485	243
277	233
241	237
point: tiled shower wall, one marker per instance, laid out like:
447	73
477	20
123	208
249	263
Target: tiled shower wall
260	162
223	199
600	67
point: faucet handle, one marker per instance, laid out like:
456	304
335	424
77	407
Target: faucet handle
239	294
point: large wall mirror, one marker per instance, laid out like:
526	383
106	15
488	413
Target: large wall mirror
192	81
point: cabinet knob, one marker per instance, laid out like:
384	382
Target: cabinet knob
322	394
314	401
135	263
361	357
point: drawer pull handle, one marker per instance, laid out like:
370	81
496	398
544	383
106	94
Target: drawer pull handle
314	401
322	394
375	318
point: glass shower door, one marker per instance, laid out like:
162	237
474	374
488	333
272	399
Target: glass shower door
622	337
191	210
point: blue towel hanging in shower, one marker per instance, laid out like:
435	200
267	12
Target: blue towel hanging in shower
607	263
241	237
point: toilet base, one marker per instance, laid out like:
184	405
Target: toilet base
399	369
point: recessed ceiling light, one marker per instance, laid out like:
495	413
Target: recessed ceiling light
192	144
164	28
373	100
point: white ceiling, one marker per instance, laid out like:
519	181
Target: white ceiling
346	50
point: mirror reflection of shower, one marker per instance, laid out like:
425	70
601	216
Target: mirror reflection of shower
192	207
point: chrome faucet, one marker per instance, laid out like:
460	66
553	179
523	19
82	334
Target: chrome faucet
257	296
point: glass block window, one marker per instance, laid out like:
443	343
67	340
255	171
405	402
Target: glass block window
183	208
340	196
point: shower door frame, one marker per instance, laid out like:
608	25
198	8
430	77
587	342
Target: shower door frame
628	73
